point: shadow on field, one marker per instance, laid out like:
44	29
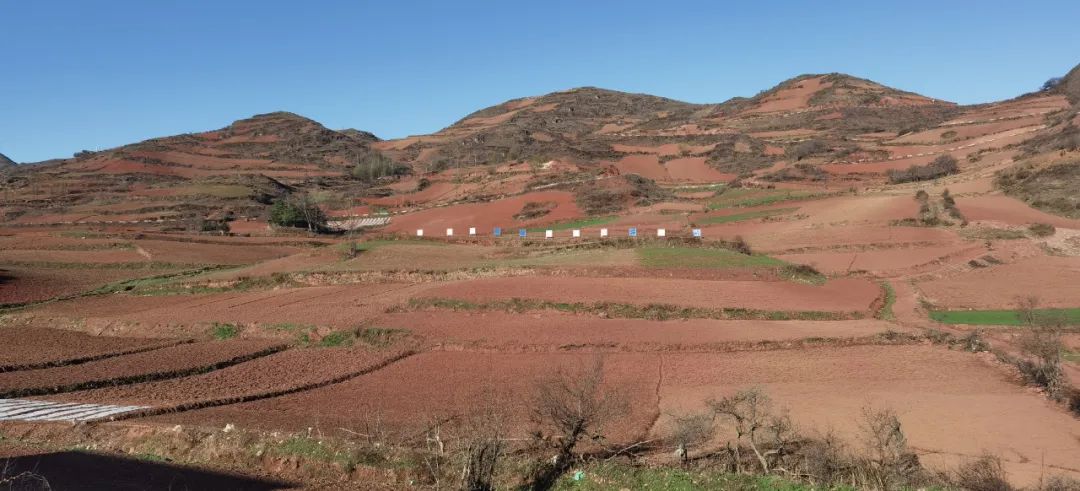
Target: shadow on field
74	470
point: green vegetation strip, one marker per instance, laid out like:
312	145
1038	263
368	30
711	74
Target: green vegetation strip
623	311
738	217
746	198
701	257
607	476
889	296
1001	317
583	223
128	265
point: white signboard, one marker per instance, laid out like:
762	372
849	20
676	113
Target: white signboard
419	232
472	230
576	233
661	232
449	232
603	232
549	234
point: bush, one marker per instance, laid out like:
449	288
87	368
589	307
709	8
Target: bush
942	166
982	474
1042	229
298	211
423	184
807	148
535	209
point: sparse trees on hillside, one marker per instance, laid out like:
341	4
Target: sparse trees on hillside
299	211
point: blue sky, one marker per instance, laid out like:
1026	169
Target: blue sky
91	75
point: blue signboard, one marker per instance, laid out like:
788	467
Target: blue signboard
521	232
697	232
633	231
498	231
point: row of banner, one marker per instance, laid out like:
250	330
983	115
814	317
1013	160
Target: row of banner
549	234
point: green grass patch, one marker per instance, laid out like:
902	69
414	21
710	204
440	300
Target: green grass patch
583	223
738	217
223	331
371	245
1071	356
696	189
99	266
889	296
606	476
337	339
1000	317
750	197
701	257
621	310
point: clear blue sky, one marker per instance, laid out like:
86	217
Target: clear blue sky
91	75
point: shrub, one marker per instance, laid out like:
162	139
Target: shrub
298	211
222	331
1051	83
948	134
1042	229
982	474
535	209
423	184
942	166
373	165
807	148
741	246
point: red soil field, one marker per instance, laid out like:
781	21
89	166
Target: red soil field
28	346
334	306
34	284
968	131
406	395
793	98
666	149
1009	210
1055	280
837	295
233	252
950	403
777	237
178	358
644	165
484	216
281	371
524	331
77	257
874	261
694	169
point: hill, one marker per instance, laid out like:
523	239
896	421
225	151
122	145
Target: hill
278	144
5	161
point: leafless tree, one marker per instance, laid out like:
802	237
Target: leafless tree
574	405
484	447
27	480
690	431
891	461
751	413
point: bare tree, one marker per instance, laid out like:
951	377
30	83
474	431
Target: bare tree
690	431
28	480
574	405
1041	347
483	450
891	461
767	434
